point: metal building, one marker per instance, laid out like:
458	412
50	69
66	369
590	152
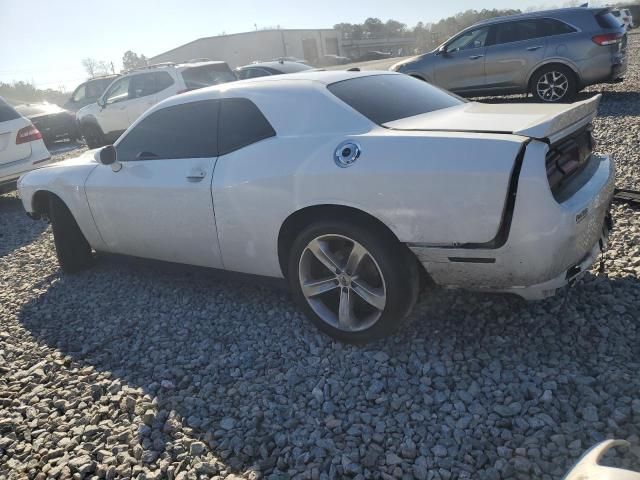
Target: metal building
243	48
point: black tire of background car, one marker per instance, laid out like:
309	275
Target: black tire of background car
72	248
571	77
398	265
93	135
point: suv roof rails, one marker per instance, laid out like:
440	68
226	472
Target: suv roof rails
154	65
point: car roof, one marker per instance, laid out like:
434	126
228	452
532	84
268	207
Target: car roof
38	108
284	66
542	13
171	65
252	85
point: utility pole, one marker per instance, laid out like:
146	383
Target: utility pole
113	70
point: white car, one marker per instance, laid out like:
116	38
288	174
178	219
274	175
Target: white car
625	17
134	92
352	185
21	147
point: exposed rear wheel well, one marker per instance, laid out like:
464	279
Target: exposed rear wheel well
299	220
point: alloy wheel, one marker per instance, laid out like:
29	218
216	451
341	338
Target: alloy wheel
552	86
342	282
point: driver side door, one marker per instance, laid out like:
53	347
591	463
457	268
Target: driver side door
113	117
461	68
158	204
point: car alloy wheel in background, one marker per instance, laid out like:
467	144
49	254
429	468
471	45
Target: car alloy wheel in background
552	86
342	282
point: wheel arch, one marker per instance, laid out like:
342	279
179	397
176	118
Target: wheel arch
554	61
303	217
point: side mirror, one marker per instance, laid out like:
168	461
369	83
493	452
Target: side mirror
442	50
107	156
100	102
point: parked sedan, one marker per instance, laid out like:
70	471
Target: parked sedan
21	147
551	54
54	122
379	180
265	69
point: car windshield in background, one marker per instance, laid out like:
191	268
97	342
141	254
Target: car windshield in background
7	112
207	75
385	98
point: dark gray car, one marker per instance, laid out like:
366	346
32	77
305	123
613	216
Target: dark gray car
552	54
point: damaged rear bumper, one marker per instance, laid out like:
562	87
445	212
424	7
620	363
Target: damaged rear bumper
550	244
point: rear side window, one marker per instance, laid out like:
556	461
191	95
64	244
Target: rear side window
241	124
188	130
148	84
7	112
385	98
549	27
517	31
607	20
207	75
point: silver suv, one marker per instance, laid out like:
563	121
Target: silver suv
552	54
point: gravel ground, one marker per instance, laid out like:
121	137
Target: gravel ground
141	370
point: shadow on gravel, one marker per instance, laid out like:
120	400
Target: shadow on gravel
239	366
16	229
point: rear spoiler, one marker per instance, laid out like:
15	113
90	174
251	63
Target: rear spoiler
579	113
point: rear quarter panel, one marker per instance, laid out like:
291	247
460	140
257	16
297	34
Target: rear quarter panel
440	189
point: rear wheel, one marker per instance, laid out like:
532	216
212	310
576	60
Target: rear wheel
72	248
554	84
93	135
354	283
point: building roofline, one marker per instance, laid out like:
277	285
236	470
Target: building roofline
253	32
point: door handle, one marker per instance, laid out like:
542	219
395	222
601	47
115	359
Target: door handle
475	57
196	175
533	49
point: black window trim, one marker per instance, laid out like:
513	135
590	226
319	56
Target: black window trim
222	152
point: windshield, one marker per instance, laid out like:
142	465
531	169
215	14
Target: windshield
385	98
207	75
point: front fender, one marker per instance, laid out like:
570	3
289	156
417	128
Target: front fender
65	180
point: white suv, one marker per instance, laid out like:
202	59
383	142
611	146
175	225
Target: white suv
134	92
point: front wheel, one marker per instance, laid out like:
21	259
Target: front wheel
72	248
354	282
554	84
93	135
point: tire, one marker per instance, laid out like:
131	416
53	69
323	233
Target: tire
554	84
386	269
72	248
93	135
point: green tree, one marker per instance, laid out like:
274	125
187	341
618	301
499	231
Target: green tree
131	60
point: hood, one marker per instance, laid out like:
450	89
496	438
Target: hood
534	120
85	158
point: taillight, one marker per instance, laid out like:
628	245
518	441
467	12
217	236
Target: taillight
28	134
607	38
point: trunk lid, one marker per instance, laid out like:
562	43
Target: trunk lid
534	120
9	151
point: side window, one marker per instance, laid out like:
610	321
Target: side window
118	92
188	130
472	39
163	80
94	89
79	94
516	31
241	124
549	27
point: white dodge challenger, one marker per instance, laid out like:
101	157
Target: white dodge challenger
354	186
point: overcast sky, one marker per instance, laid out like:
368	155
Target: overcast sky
44	41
